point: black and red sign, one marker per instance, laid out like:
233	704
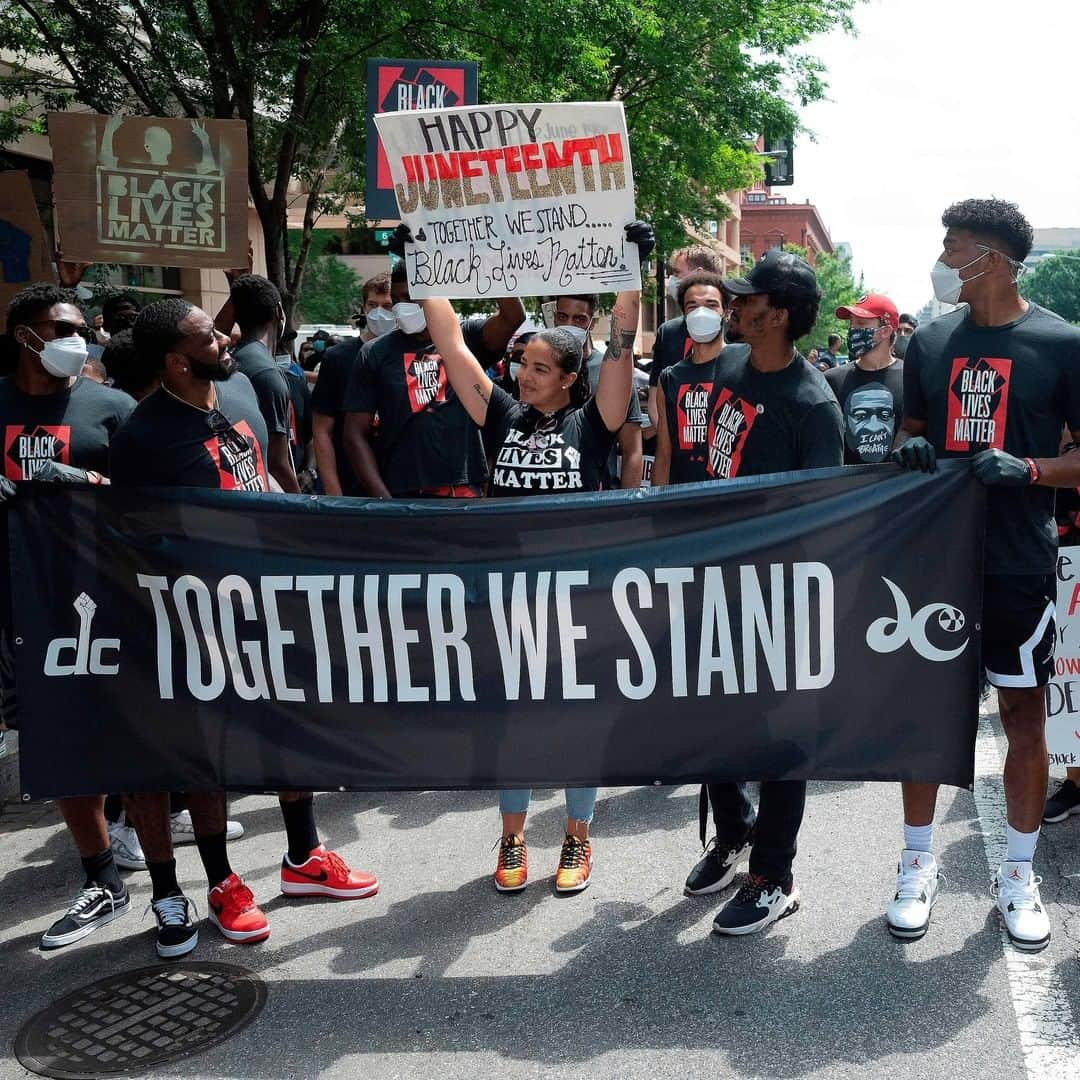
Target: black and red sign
398	85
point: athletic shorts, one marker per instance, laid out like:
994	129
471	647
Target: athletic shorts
1019	632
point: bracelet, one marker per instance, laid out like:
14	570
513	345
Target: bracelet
1033	469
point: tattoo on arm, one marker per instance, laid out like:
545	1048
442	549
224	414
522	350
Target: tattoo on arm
621	340
480	390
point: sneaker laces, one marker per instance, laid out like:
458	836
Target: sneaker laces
911	884
1022	897
511	855
336	864
237	899
171	910
574	851
88	895
752	889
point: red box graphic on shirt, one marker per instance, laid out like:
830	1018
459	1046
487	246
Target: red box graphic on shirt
729	425
978	403
28	446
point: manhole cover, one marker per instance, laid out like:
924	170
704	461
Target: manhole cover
131	1022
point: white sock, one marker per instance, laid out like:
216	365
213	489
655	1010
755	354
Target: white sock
1020	845
918	837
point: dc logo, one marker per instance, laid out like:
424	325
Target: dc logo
87	655
887	635
951	620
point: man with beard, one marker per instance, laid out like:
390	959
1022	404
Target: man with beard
769	411
203	427
870	387
996	381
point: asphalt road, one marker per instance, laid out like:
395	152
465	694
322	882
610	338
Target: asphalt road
440	976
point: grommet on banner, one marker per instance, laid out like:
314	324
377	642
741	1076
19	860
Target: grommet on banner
25	797
18	641
658	783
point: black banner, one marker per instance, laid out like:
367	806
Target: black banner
821	625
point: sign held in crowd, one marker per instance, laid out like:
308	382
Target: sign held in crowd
150	189
24	256
1063	693
268	659
514	200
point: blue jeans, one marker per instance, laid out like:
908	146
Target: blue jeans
579	802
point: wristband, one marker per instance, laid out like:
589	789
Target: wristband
1033	469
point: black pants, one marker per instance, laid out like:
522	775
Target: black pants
775	828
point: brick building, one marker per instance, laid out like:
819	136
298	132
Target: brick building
770	221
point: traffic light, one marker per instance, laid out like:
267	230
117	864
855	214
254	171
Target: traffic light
779	159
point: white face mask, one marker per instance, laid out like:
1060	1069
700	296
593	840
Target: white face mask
380	321
410	318
704	324
576	332
515	367
63	357
672	287
947	281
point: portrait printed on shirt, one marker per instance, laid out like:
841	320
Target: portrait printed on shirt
541	461
730	424
238	458
28	446
870	422
978	403
425	380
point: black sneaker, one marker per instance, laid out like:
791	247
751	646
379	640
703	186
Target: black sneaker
95	906
177	933
757	904
1064	801
716	869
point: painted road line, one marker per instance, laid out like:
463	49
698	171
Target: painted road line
1048	1033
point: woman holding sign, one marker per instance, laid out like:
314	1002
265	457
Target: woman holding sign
555	439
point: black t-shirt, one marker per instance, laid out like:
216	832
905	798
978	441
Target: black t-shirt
1010	388
73	427
872	403
672	344
270	385
770	422
633	415
168	443
328	399
538	455
426	439
688	391
300	399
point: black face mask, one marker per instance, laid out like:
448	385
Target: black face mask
860	340
899	347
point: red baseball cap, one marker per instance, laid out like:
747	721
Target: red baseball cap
871	306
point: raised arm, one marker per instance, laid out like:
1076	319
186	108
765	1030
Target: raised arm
617	370
499	329
466	376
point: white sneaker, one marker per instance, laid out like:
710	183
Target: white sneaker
1017	892
126	849
183	832
917	882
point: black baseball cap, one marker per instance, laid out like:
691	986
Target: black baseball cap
775	271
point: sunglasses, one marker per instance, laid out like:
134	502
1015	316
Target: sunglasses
221	426
62	328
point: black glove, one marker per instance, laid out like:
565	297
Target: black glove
56	473
995	468
641	233
401	236
916	455
7	490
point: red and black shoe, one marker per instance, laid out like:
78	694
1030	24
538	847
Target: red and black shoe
325	873
234	912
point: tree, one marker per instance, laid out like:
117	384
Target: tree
697	86
838	286
330	293
1055	283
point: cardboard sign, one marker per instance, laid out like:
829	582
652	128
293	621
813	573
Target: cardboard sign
149	189
1063	693
514	200
399	86
24	255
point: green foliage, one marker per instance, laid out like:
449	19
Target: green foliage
697	84
330	293
838	286
1055	284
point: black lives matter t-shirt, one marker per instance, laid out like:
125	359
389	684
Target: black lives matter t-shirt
872	403
672	344
770	422
328	399
426	439
73	427
270	384
168	443
688	391
534	454
1011	388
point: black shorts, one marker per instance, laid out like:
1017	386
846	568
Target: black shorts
1019	632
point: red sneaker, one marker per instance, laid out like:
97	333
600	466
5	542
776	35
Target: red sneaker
326	874
234	912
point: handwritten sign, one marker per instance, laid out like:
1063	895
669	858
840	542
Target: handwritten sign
24	258
514	200
1063	693
149	189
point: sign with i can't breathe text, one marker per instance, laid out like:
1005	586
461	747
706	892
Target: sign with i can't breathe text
514	200
166	191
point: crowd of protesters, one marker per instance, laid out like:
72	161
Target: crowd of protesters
423	404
